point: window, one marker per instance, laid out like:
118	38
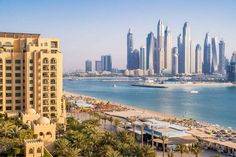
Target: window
31	68
8	61
45	61
45	44
17	81
53	61
8	67
31	61
8	94
18	94
17	61
8	81
17	67
31	88
31	81
53	44
8	101
8	74
17	101
8	108
8	88
17	74
18	87
18	107
31	151
31	75
31	95
53	81
39	150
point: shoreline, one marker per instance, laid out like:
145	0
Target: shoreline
137	112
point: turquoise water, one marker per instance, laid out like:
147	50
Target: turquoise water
216	105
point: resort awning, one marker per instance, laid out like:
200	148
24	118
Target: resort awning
178	140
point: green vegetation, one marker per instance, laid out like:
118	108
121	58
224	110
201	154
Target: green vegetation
12	135
88	139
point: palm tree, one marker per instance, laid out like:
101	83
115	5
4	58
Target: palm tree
181	148
61	147
148	151
134	127
196	150
163	139
142	130
116	123
152	136
15	132
113	153
5	127
72	152
170	154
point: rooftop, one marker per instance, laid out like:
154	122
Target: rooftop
18	35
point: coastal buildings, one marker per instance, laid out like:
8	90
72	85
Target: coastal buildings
222	57
142	59
150	45
181	54
106	61
186	63
207	61
98	66
231	69
175	60
215	50
198	61
192	57
160	48
129	48
168	50
88	66
134	64
31	75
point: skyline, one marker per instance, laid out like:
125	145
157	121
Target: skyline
80	18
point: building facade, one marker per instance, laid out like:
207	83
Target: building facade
150	50
106	61
88	66
186	64
215	50
207	60
231	69
142	59
31	74
175	61
168	50
198	61
129	48
160	47
222	57
98	66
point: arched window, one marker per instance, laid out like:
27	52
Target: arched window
31	151
39	150
49	134
53	61
41	134
45	61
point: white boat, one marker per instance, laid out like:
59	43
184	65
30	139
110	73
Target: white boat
194	91
114	85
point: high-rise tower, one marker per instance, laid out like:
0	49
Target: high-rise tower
175	61
160	47
129	48
150	45
186	49
222	57
142	58
198	61
168	50
207	60
181	54
215	49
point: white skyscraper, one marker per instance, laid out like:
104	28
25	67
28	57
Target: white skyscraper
192	57
198	57
142	58
150	48
175	61
222	57
186	48
207	61
160	47
168	50
215	58
180	54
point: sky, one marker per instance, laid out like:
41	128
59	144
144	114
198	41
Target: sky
91	28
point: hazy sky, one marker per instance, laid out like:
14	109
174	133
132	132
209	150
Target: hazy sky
90	28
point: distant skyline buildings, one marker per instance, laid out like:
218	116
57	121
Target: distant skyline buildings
105	64
88	66
160	53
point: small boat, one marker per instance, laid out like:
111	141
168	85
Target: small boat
194	92
114	85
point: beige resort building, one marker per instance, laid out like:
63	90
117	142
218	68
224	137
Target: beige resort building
31	75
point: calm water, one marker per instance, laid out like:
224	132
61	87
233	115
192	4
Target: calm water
216	105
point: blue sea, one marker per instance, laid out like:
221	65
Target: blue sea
216	105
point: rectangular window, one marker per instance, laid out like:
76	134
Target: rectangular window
31	88
17	101
18	94
31	67
8	67
8	81
8	108
31	61
31	75
8	88
8	101
18	107
17	61
8	74
17	67
31	95
17	81
17	74
8	94
31	81
18	88
8	61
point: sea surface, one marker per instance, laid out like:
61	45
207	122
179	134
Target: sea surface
216	105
